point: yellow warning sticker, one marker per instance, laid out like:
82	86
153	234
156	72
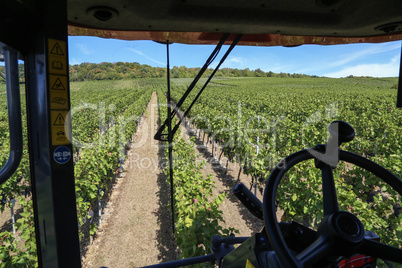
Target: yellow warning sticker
58	92
58	83
58	100
60	120
55	48
249	264
57	54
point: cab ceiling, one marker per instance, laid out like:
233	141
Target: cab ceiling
263	21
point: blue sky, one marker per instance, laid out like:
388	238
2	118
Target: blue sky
377	60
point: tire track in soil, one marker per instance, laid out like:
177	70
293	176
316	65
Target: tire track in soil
136	229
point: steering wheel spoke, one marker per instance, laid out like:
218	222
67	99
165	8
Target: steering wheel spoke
318	250
381	250
329	191
340	233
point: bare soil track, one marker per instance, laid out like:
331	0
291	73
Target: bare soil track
136	230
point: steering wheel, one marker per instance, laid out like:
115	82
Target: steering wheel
340	233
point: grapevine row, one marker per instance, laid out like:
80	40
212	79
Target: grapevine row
105	115
262	120
196	211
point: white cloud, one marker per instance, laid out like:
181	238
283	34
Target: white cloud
235	59
145	56
375	49
84	49
390	69
74	61
266	64
235	62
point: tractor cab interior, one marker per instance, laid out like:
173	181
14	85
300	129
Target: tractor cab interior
37	31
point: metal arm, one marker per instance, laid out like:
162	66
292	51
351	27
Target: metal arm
14	113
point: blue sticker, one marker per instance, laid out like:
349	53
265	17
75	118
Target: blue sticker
62	154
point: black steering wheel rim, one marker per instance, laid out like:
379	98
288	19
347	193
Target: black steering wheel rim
278	243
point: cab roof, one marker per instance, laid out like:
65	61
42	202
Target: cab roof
263	22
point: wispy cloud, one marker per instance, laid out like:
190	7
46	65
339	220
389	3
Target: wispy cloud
267	63
390	69
336	61
145	56
236	59
84	49
375	49
74	61
232	62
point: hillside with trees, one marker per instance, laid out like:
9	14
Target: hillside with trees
128	70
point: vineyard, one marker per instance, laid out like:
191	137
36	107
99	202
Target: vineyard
260	121
104	119
254	122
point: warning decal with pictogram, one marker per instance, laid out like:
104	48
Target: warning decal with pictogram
60	127
57	54
58	82
58	85
59	120
58	92
57	50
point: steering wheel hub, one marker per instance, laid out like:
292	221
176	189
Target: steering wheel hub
346	227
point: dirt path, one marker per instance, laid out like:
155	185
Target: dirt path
137	229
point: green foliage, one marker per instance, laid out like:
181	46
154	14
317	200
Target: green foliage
129	70
105	115
12	253
294	114
197	213
20	250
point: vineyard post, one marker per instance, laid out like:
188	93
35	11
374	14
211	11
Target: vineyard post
216	150
102	124
258	150
258	137
212	147
238	176
100	205
12	214
121	168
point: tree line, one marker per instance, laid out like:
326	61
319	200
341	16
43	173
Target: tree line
128	70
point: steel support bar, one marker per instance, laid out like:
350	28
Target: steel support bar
185	262
49	135
170	135
399	96
14	113
234	43
159	134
